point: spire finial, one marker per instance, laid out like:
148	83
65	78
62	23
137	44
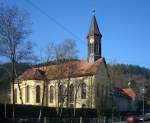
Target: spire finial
93	12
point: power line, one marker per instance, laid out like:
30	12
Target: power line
52	19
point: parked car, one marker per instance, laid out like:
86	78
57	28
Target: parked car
139	118
133	119
145	118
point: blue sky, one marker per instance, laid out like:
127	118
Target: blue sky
124	24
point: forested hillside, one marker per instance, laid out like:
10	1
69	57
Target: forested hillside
122	74
133	70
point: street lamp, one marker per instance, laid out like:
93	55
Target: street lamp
143	91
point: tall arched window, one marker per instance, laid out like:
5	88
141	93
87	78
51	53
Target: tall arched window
71	93
15	95
97	89
83	91
91	48
38	94
27	92
96	48
61	93
51	94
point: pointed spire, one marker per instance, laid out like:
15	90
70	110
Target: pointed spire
94	30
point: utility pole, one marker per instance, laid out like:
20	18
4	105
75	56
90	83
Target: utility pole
143	91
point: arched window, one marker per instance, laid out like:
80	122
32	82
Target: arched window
51	94
71	93
27	93
91	48
38	94
96	48
83	91
102	91
98	94
83	106
15	95
61	93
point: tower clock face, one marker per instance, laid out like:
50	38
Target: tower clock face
91	40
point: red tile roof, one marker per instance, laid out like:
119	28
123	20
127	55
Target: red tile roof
130	92
64	70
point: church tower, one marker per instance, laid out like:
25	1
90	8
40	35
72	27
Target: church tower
94	41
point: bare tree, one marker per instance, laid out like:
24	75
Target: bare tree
61	55
13	33
66	50
119	79
65	53
45	61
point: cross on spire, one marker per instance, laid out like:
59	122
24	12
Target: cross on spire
93	11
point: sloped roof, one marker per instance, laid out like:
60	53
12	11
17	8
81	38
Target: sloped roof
67	69
31	73
130	92
119	92
94	27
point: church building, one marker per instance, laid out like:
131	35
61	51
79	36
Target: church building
69	84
